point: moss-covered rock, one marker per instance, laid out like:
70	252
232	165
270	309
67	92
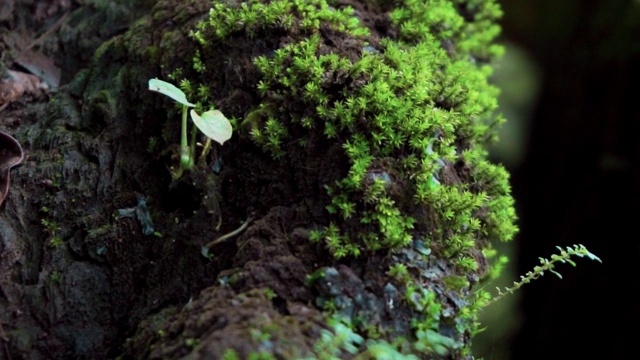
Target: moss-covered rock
358	157
373	120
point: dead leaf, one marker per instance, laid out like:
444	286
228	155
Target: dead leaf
46	9
33	61
17	84
11	154
6	10
41	66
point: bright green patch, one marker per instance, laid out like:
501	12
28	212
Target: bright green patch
412	117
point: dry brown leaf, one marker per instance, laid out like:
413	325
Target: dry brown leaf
46	9
11	154
16	84
41	66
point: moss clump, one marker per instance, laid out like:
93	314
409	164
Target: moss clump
254	17
412	120
409	105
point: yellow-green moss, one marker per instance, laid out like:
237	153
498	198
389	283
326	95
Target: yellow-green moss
413	114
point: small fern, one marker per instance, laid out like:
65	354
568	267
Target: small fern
546	265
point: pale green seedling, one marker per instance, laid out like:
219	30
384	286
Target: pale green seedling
212	123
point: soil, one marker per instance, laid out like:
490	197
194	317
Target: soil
101	250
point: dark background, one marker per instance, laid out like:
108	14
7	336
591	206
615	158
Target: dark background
575	177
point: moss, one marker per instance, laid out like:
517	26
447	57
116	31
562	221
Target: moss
256	16
412	114
410	106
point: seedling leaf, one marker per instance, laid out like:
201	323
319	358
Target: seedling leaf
213	124
169	90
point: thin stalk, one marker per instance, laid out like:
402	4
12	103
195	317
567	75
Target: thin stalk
192	147
206	148
185	157
229	235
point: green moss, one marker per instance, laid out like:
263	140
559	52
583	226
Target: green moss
412	114
464	27
256	16
230	354
420	105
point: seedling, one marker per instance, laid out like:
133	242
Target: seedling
212	123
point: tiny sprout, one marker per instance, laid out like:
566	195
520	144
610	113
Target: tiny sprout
212	123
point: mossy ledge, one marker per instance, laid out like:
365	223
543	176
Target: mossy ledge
372	122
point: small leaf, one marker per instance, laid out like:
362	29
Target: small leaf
169	90
556	273
205	252
213	124
593	257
